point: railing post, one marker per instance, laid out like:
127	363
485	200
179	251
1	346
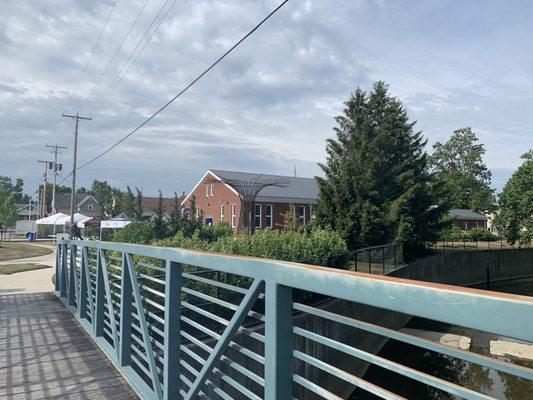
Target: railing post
172	330
72	277
383	259
58	267
99	306
369	261
84	290
279	342
125	315
64	260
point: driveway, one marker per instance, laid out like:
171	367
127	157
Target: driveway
36	281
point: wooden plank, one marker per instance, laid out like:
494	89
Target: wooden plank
46	354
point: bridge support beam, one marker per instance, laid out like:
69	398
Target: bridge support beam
172	330
279	341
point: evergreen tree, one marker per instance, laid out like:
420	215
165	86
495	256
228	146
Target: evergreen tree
138	214
159	218
128	202
515	218
176	216
377	186
458	166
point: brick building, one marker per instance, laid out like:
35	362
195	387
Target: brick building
218	201
468	219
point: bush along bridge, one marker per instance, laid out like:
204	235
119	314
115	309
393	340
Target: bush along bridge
182	324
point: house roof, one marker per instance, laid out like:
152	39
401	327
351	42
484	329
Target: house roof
461	213
295	189
63	200
149	203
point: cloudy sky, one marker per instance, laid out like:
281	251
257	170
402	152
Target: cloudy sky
270	105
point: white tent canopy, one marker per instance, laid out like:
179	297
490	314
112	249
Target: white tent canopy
77	218
81	223
56	219
113	224
120	221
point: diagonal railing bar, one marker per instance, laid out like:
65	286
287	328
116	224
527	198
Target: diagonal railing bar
145	333
72	287
112	317
85	285
244	307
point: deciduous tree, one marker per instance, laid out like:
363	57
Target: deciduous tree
515	217
458	166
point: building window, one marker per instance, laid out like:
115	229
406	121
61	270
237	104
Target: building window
268	216
206	190
301	214
257	216
222	212
233	215
209	221
90	207
211	190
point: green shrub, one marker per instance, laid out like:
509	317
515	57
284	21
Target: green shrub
317	246
140	232
481	235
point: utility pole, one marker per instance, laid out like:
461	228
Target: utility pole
74	156
56	165
45	176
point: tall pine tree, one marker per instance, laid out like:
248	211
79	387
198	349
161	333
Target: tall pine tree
377	187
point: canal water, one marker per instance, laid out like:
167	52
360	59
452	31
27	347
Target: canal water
484	380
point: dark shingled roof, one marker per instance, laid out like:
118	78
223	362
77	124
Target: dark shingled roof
296	190
459	213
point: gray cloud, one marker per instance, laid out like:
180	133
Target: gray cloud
270	105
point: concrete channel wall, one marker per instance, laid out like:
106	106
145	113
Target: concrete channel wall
471	268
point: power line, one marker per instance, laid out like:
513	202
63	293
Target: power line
194	81
92	52
116	79
114	54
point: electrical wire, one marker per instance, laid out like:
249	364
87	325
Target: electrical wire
114	54
116	79
92	54
192	83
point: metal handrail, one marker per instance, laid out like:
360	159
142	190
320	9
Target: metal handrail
158	374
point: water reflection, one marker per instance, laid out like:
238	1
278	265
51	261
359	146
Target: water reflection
472	376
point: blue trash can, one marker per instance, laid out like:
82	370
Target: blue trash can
31	237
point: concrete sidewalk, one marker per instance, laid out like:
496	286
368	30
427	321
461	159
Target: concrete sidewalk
30	281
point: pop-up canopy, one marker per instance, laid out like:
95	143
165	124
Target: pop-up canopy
120	221
78	217
56	219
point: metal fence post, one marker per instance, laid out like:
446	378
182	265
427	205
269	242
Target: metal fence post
355	260
278	337
64	260
125	315
72	276
369	261
383	259
172	331
395	261
58	267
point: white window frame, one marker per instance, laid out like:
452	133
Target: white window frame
206	190
211	190
258	215
233	215
90	207
271	215
222	212
301	218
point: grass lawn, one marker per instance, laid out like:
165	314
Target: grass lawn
8	269
14	250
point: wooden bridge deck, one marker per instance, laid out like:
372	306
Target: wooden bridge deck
46	354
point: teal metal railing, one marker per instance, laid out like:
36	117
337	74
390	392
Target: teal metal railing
188	324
